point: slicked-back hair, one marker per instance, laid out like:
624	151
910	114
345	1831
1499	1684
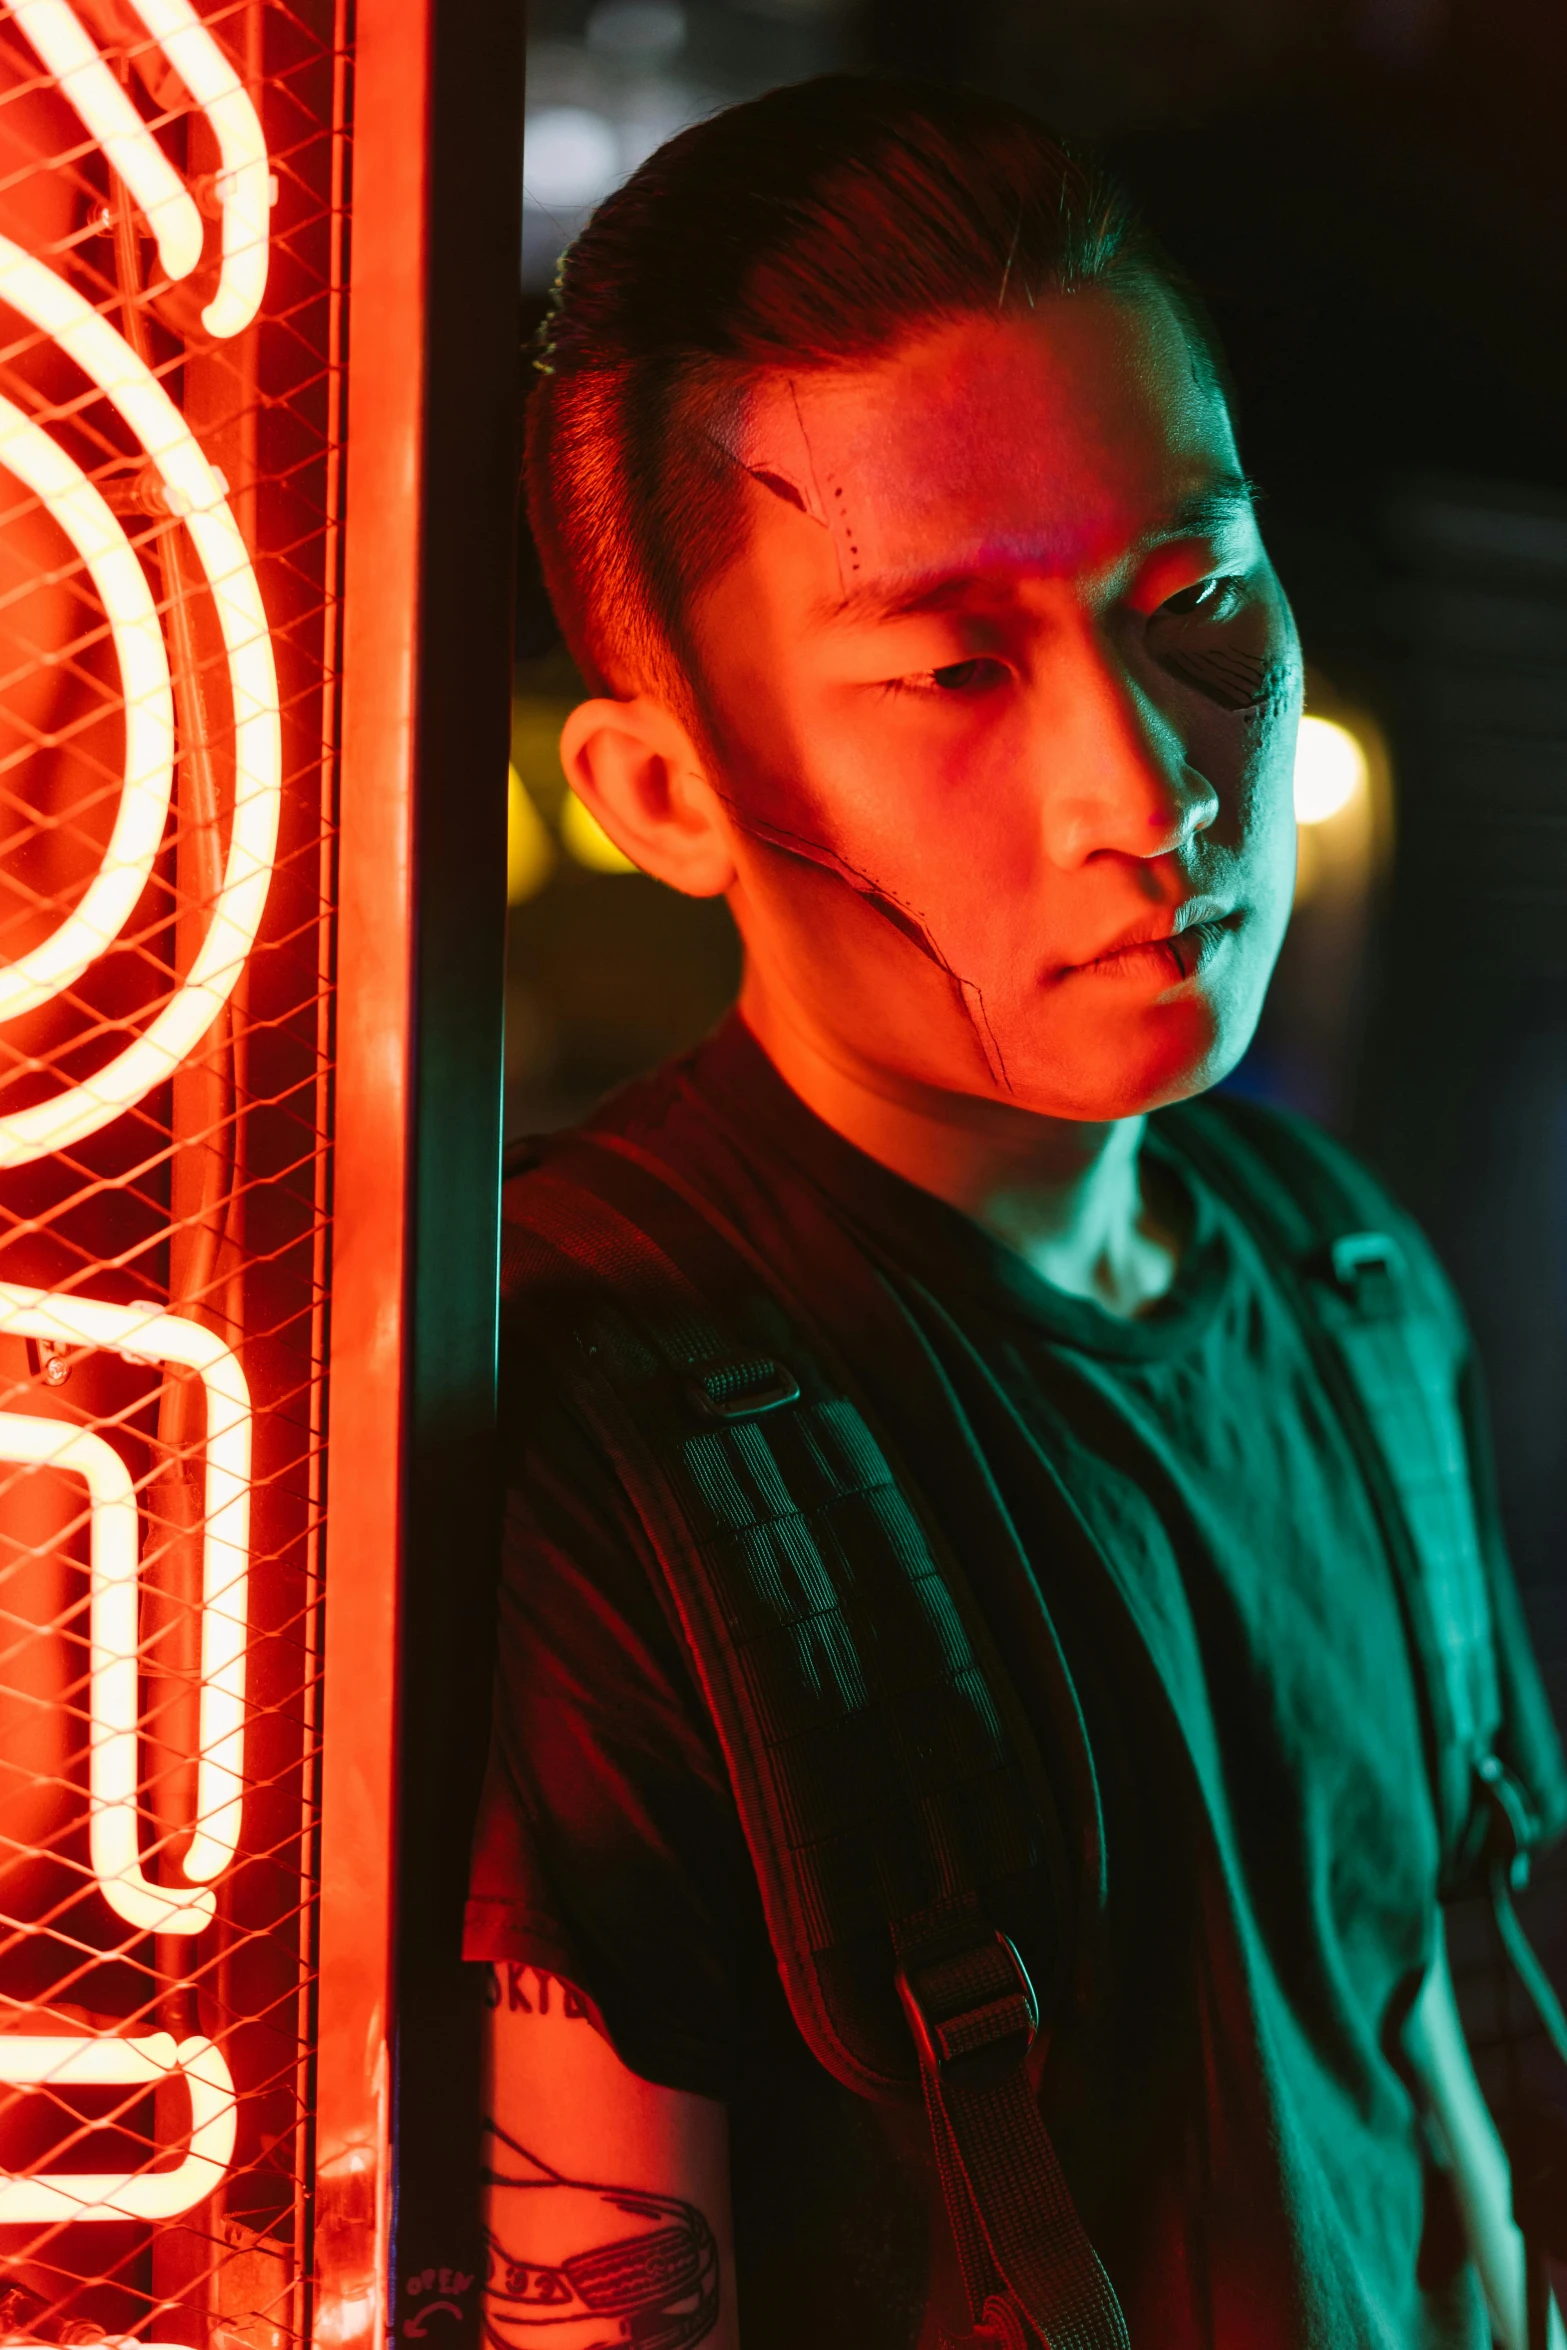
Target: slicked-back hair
823	224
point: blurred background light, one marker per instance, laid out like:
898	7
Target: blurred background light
585	839
610	80
530	852
645	30
573	158
1331	769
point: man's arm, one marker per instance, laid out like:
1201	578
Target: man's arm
613	2194
1481	2179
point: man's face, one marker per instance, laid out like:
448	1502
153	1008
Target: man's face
1003	693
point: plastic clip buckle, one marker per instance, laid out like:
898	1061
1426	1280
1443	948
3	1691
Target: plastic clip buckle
973	2022
1364	1266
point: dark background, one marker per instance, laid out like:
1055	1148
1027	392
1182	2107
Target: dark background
1372	196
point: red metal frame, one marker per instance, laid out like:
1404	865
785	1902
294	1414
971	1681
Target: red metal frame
433	405
228	1914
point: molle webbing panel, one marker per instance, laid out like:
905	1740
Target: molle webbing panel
874	1748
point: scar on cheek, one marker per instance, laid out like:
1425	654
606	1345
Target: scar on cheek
902	918
1234	679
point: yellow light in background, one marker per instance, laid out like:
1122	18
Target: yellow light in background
1331	770
542	808
530	852
586	840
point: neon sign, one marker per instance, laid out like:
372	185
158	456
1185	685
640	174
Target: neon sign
244	186
42	2061
149	1336
195	492
193	496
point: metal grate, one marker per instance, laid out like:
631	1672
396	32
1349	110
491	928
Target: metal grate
171	234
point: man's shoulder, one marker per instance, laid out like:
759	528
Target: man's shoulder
1305	1187
641	1108
634	1213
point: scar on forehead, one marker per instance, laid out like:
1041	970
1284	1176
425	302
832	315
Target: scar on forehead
788	470
790	491
893	910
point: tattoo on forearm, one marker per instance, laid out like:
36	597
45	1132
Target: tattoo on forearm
571	2262
528	1989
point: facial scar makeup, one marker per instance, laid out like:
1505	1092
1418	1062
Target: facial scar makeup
903	919
776	452
1236	680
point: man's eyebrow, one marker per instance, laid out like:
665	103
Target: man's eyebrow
1218	500
1207	508
895	599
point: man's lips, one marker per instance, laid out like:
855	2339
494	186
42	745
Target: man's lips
1171	945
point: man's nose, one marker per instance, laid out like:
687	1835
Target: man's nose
1115	774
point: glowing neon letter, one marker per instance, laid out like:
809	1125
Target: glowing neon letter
70	498
194	491
68	52
244	184
151	1336
44	2061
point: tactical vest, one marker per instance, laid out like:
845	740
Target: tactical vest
922	1870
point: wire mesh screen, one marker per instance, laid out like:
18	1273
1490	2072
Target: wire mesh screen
170	263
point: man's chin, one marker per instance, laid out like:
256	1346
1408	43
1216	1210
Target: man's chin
1167	1055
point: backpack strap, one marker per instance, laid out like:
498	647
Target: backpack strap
881	1764
1388	1348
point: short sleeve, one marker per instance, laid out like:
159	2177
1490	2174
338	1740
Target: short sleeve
608	1847
1528	1742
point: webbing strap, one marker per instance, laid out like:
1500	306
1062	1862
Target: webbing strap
1386	1362
1031	2274
877	1762
1023	2250
852	1315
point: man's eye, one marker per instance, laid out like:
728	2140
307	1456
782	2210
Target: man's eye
955	677
1205	599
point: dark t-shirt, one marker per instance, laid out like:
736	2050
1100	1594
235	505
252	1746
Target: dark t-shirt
1233	2111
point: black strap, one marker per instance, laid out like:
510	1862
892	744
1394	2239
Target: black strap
1380	1352
1029	2270
878	1757
853	1313
1385	1358
1031	2274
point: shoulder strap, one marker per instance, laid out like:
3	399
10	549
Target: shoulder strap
879	1760
1389	1348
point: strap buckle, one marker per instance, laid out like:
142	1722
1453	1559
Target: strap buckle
971	2007
1365	1267
1509	1828
743	1388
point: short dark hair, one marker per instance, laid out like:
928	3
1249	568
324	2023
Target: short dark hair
822	224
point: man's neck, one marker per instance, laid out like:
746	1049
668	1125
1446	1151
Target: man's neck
1067	1195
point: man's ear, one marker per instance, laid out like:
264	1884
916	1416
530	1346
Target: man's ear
634	766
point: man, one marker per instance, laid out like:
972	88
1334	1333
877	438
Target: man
889	500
